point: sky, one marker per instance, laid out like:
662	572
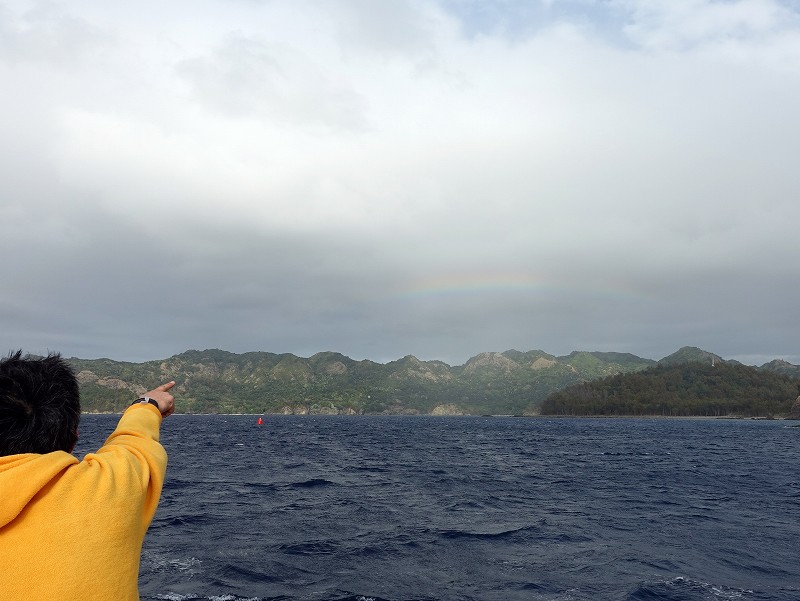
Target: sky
382	178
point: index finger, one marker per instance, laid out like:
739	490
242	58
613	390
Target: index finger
166	386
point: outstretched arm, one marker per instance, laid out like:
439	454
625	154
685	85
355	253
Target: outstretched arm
134	453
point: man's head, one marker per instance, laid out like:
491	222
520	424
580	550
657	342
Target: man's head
39	405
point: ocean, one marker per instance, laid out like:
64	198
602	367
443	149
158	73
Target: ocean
335	508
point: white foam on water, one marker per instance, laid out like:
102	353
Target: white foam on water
177	597
159	563
191	565
721	592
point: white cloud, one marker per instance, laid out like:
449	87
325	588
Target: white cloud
248	78
46	33
682	24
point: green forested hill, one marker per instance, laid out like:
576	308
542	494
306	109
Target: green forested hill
214	381
513	382
681	389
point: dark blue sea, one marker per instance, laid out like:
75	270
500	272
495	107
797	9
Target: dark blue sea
333	508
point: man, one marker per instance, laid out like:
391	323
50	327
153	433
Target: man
73	529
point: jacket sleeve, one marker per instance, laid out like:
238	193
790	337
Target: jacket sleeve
137	460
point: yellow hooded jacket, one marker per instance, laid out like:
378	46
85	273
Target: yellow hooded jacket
74	529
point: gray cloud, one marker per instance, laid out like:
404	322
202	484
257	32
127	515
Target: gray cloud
384	180
386	28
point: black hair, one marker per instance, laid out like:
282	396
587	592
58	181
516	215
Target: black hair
40	404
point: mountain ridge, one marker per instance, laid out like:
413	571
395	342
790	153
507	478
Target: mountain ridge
218	381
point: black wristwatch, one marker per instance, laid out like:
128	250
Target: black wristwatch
146	399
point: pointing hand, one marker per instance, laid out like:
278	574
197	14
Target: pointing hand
166	402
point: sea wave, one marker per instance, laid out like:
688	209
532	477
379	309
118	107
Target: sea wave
418	509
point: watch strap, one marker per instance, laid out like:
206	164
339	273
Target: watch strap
144	400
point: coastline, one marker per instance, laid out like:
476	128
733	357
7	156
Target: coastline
658	417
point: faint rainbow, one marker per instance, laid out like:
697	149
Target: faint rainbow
473	284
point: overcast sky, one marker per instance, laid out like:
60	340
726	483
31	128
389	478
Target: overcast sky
389	177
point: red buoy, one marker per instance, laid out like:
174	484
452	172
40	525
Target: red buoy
260	421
